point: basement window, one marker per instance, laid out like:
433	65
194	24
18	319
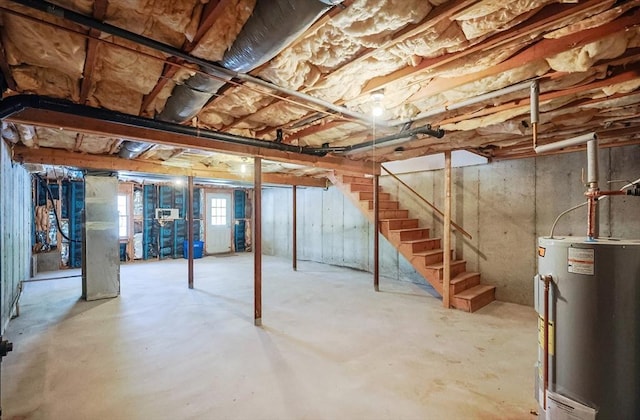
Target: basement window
218	212
123	215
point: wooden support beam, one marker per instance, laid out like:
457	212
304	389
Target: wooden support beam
257	241
87	125
48	156
540	50
376	233
294	229
190	219
446	243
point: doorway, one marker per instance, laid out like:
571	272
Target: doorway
218	230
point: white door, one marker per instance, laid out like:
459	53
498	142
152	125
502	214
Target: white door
218	212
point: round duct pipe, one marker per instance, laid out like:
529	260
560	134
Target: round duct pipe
132	149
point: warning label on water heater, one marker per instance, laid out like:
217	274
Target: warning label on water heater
580	261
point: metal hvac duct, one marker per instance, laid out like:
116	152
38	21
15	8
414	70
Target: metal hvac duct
270	28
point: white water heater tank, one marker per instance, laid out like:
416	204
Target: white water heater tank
594	328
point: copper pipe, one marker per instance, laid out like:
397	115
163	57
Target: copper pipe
591	216
547	280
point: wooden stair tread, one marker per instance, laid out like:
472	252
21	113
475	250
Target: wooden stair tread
416	241
474	291
440	266
407	230
429	252
463	276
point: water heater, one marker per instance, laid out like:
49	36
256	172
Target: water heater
592	307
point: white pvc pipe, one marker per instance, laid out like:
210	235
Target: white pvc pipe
534	100
592	163
471	101
575	141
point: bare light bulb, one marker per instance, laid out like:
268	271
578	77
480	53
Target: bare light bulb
243	168
377	110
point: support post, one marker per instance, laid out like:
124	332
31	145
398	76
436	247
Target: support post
446	246
376	233
190	229
257	241
294	233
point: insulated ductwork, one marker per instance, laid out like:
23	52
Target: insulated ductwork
270	28
132	149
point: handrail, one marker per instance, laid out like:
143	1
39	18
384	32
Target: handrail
417	194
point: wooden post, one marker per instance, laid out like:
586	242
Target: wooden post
294	233
376	233
446	246
190	218
257	241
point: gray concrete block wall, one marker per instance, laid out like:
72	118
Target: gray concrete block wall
504	205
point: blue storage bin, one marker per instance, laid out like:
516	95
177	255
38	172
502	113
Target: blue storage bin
198	247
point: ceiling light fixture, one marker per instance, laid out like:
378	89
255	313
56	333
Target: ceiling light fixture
376	97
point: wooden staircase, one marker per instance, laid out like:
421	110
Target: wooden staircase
423	252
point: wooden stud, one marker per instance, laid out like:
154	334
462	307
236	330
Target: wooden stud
446	243
257	241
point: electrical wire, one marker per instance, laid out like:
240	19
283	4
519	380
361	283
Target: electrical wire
55	213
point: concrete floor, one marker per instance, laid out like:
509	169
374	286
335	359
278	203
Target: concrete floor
330	348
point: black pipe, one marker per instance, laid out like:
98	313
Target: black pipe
270	28
17	103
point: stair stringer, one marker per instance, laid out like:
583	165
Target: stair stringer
462	281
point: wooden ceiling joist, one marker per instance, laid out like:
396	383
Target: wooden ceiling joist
6	70
47	118
99	12
537	23
211	13
543	49
62	157
524	102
